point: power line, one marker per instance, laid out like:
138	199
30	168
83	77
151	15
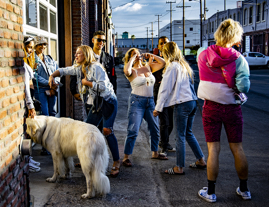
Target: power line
123	4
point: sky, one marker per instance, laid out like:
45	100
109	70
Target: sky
134	16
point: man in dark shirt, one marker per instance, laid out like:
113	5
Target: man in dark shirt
166	116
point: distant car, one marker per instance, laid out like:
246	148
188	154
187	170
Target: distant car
121	66
256	59
191	59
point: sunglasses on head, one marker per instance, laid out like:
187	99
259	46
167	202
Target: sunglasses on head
100	40
43	44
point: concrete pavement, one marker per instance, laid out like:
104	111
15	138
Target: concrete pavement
145	184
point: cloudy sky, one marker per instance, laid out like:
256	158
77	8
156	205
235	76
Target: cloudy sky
134	16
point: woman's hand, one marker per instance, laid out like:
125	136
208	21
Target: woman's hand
32	113
156	113
51	81
84	81
147	55
77	96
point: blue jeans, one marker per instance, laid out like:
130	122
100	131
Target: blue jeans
140	107
96	118
48	103
183	119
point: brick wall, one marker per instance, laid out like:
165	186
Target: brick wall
12	183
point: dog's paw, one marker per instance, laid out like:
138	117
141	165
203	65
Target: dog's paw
86	196
51	180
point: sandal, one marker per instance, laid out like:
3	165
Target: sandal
171	171
194	165
116	171
78	165
160	157
127	163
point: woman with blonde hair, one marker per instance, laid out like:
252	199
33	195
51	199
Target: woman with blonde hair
223	71
177	90
141	101
91	77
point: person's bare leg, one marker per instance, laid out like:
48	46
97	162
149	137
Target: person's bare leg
213	160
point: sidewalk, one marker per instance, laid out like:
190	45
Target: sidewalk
145	184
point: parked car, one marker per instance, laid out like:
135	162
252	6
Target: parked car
256	59
191	59
121	66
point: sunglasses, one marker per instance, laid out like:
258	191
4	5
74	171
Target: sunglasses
44	44
100	40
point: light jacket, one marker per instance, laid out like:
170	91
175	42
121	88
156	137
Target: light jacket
175	88
221	70
44	71
97	75
28	75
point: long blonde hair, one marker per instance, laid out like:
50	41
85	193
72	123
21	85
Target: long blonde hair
89	57
172	53
128	56
228	33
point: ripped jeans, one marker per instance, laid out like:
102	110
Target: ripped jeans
139	108
96	118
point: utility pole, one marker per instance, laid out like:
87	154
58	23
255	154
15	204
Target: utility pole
183	19
170	2
152	35
201	23
204	10
147	39
158	24
224	5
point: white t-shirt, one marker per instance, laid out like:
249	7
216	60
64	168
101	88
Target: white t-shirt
98	58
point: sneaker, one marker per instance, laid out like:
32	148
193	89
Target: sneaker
34	162
33	168
245	195
170	148
164	152
209	198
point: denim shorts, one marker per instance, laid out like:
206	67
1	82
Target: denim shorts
230	115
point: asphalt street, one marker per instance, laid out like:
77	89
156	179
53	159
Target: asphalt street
145	184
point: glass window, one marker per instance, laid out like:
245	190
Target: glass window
251	55
259	55
238	17
263	11
31	12
52	22
245	16
230	16
53	49
43	17
191	29
53	2
250	15
188	41
258	13
234	18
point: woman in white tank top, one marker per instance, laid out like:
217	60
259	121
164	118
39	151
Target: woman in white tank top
141	103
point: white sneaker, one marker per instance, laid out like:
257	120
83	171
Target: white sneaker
34	162
209	198
245	195
33	168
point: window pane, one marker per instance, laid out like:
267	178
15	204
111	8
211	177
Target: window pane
258	13
53	49
53	2
250	15
52	22
43	17
31	13
46	50
263	10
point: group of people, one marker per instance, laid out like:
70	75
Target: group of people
162	85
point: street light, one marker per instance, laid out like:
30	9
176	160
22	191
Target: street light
201	19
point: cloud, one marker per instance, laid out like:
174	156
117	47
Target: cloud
130	7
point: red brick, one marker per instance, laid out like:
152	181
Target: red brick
8	72
12	166
3	24
3	43
4	63
7	34
19	79
1	12
11	129
13	18
17	28
9	91
14	53
21	37
11	62
14	136
13	81
21	12
19	62
16	10
16	72
2	4
5	103
7	121
13	1
20	3
20	20
2	73
3	134
11	44
10	25
13	99
14	36
9	7
2	94
4	173
17	188
1	32
20	175
10	196
2	53
21	29
7	53
21	54
3	114
21	97
17	107
6	15
4	83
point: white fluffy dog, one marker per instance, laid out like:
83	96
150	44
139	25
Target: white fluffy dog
64	138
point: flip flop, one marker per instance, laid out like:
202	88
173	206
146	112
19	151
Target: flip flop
127	163
171	171
194	165
160	157
114	169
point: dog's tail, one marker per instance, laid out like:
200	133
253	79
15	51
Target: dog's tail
100	180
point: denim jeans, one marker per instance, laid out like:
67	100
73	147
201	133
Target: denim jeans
166	126
96	118
183	119
48	103
140	107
